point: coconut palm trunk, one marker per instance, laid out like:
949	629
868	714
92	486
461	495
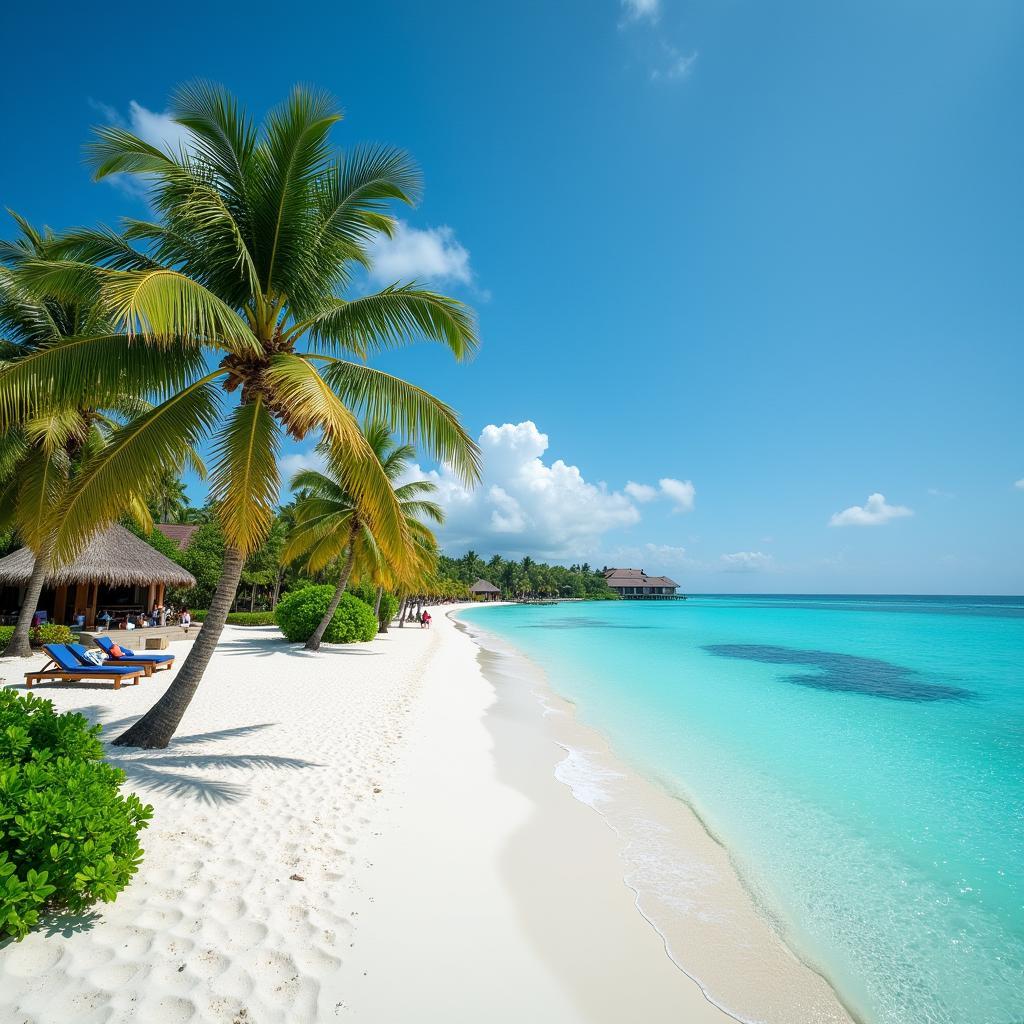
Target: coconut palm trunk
313	643
20	645
155	729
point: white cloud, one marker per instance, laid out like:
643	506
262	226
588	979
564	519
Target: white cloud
874	512
642	10
680	492
158	129
641	492
747	561
291	464
677	66
525	505
430	254
1019	484
938	492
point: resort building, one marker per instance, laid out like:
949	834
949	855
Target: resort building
636	585
483	590
180	533
117	573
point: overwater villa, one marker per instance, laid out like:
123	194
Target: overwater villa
636	585
117	573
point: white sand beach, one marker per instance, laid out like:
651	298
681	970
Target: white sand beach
363	834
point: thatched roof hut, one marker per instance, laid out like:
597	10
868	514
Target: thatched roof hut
485	589
116	557
117	573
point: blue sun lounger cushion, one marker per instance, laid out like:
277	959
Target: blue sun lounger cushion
69	662
154	659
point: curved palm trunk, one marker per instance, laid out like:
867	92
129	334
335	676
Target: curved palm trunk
155	729
313	643
401	613
19	645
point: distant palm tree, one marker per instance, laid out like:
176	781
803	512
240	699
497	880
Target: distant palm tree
257	233
168	497
332	525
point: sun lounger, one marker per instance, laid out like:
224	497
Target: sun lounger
151	662
65	667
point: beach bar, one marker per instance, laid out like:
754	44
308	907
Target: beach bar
116	572
483	590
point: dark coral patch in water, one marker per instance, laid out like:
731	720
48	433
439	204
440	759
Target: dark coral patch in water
583	622
845	673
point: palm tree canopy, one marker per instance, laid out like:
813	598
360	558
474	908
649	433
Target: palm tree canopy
328	516
258	232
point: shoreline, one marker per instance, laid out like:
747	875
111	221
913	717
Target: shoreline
378	832
710	922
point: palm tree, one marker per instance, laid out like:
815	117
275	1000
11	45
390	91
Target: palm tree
168	497
40	451
257	233
331	525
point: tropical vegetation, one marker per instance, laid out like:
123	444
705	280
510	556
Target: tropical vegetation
227	310
301	614
68	836
332	525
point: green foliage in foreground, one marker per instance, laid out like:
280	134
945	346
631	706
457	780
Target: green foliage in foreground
48	633
68	838
300	612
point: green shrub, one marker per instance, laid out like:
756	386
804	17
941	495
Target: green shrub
67	836
251	619
300	612
199	615
388	608
48	633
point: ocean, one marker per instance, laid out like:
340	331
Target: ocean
860	758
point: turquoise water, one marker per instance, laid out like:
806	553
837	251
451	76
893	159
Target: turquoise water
861	758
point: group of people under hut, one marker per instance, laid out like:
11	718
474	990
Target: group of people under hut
159	615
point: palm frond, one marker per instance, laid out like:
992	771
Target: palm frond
97	370
108	484
408	409
245	482
116	151
309	402
391	318
166	305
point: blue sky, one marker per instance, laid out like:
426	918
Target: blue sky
769	253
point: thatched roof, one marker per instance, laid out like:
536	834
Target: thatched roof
480	587
180	533
116	557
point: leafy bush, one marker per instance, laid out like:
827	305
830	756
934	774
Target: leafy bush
388	608
198	614
251	619
67	836
300	612
48	633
